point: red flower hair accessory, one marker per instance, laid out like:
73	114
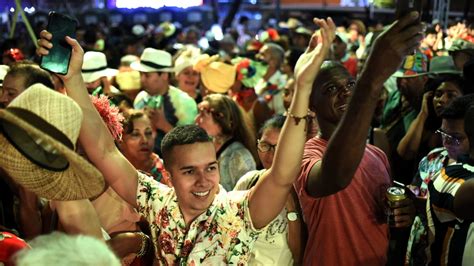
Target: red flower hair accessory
110	114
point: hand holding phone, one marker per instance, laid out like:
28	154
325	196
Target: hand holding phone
59	26
406	6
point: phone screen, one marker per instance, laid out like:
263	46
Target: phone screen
59	26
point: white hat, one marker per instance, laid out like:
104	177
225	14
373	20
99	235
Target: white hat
95	67
186	59
3	72
154	60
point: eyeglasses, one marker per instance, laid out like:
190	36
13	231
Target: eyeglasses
263	146
336	89
449	139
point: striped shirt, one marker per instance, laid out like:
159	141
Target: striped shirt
452	242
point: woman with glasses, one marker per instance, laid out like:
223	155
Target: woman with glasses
224	121
284	239
455	146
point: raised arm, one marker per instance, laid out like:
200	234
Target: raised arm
277	181
347	144
410	143
94	137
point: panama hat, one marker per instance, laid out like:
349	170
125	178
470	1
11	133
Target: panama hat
154	60
442	65
292	23
413	66
3	72
39	130
94	67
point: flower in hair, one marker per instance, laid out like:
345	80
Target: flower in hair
110	115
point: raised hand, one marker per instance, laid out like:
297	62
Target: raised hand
318	48
75	64
390	48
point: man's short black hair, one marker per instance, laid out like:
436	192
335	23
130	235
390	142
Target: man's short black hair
182	135
469	126
458	107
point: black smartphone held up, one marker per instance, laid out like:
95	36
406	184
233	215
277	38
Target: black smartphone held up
406	6
59	26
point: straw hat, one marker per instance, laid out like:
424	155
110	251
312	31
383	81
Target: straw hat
94	67
290	24
154	60
3	72
39	132
216	76
186	59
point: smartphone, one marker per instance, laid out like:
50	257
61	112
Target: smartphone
406	6
59	26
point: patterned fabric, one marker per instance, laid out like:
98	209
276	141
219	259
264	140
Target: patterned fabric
234	161
429	167
158	171
223	235
271	247
453	239
180	109
273	97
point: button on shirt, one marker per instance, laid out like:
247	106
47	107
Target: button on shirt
223	235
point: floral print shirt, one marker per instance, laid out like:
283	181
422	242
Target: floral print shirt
223	235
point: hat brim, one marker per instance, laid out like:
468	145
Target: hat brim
435	74
81	180
400	74
144	68
91	77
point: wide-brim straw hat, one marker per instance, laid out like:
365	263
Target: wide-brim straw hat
154	60
39	130
94	67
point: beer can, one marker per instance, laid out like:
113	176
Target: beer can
393	194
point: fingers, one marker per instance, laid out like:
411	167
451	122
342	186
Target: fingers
406	20
45	35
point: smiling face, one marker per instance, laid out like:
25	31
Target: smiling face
137	144
444	95
195	177
331	94
188	79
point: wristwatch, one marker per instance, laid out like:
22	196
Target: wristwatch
292	216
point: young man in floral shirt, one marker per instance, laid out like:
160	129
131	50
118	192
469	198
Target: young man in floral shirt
196	221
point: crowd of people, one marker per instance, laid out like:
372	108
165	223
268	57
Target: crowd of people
276	148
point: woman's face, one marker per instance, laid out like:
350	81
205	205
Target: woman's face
444	95
12	87
205	120
138	145
188	79
266	146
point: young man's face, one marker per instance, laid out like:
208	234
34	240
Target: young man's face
154	82
455	139
195	177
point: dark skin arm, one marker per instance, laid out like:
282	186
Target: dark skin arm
332	174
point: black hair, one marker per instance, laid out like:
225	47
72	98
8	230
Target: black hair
292	56
182	135
275	122
31	73
117	99
458	107
430	30
329	70
469	126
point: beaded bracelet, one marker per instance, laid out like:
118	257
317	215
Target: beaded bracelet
144	245
298	118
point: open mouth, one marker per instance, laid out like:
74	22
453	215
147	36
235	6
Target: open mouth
201	194
342	107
